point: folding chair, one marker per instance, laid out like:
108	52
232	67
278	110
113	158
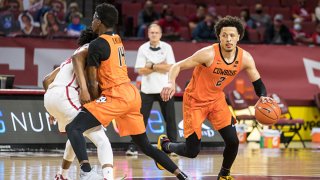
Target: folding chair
288	126
241	110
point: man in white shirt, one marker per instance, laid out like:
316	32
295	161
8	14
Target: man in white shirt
153	62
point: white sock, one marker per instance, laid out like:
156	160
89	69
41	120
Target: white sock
108	173
64	172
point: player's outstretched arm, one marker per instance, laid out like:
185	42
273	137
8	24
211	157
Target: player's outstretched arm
254	76
78	62
49	78
203	56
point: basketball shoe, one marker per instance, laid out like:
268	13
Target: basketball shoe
60	177
132	150
92	175
161	140
225	178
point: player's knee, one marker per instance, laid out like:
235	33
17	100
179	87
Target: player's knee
232	142
193	153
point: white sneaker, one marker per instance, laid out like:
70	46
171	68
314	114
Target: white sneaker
132	151
60	177
92	175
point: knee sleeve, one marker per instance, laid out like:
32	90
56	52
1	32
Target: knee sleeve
69	154
193	152
101	141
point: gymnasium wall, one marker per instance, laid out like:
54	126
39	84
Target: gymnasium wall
291	71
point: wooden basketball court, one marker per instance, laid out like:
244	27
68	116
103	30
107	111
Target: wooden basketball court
252	163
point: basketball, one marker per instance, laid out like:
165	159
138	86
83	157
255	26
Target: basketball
267	113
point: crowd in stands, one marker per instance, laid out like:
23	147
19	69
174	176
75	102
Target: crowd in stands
265	21
47	18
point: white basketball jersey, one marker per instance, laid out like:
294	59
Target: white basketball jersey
66	76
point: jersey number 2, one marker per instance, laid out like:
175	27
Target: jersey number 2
220	81
122	60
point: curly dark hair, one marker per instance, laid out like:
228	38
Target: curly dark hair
86	36
107	14
229	21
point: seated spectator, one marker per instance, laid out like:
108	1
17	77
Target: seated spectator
261	18
164	10
9	25
278	33
147	16
315	37
72	9
298	35
75	27
317	12
51	26
170	26
28	26
246	18
204	30
300	11
197	17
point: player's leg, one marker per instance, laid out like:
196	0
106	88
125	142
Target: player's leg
190	148
168	112
229	135
147	102
104	150
67	160
143	142
82	122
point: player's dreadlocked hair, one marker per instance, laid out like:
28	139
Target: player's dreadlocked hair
107	14
86	36
229	21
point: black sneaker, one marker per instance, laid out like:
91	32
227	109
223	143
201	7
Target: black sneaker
132	150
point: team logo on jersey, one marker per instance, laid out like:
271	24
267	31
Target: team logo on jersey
101	99
224	72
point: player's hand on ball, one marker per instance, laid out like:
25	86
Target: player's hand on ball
168	91
264	99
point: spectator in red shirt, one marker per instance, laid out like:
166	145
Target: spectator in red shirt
170	26
300	11
315	37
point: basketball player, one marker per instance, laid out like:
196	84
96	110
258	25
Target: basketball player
215	67
119	99
62	102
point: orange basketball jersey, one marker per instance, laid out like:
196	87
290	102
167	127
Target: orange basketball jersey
207	83
113	71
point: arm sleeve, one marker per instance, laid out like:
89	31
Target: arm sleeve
170	56
99	50
259	88
141	59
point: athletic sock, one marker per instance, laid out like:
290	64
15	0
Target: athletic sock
107	172
182	176
224	172
85	167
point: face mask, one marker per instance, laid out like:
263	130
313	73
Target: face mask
259	11
297	27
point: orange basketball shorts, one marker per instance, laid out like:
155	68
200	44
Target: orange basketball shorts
123	104
195	113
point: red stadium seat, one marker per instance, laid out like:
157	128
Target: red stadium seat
179	10
222	10
254	36
309	27
185	33
131	10
271	3
288	3
288	126
285	11
235	10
